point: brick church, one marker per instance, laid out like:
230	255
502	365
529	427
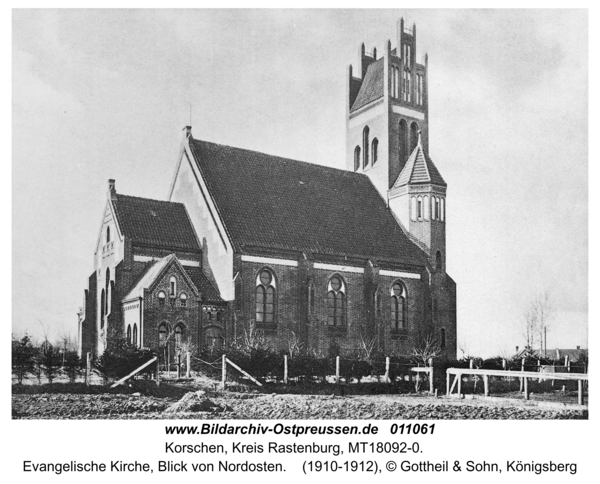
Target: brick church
252	242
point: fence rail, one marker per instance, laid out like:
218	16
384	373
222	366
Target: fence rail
524	375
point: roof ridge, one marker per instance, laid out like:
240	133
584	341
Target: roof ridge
281	158
154	200
425	160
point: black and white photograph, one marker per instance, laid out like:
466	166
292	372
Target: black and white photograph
299	214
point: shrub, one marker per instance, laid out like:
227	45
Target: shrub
121	358
23	355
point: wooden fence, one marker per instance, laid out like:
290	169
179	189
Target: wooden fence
524	375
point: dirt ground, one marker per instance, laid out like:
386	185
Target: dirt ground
201	399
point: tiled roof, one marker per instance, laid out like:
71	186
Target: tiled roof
277	203
372	86
208	292
155	222
419	169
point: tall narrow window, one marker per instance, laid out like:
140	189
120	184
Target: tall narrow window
407	55
129	333
107	309
172	286
265	297
311	298
395	82
419	208
374	150
356	158
403	142
183	300
414	136
420	89
336	302
134	337
398	306
377	302
179	335
161	298
365	147
102	307
163	335
413	208
442	209
406	85
107	235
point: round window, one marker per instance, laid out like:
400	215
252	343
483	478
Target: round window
265	278
336	284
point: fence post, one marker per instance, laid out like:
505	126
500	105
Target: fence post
459	385
526	389
522	369
157	372
337	369
188	364
539	370
285	369
88	364
580	392
486	385
223	371
447	383
431	380
178	364
471	364
387	369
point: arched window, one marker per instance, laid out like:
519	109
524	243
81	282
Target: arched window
374	150
438	261
413	208
420	89
102	307
219	317
172	286
183	300
442	338
365	147
161	298
403	141
399	306
336	301
265	297
179	335
356	158
135	338
107	235
129	333
163	335
426	207
442	209
414	136
419	208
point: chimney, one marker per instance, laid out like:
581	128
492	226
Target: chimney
112	191
188	131
579	347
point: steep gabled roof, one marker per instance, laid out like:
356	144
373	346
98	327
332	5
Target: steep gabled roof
153	273
372	85
155	222
419	169
278	203
208	292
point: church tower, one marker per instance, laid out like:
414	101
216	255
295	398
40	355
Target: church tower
387	133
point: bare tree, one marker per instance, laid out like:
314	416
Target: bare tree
537	316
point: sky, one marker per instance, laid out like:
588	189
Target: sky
101	94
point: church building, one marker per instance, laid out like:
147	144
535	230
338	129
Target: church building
249	242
